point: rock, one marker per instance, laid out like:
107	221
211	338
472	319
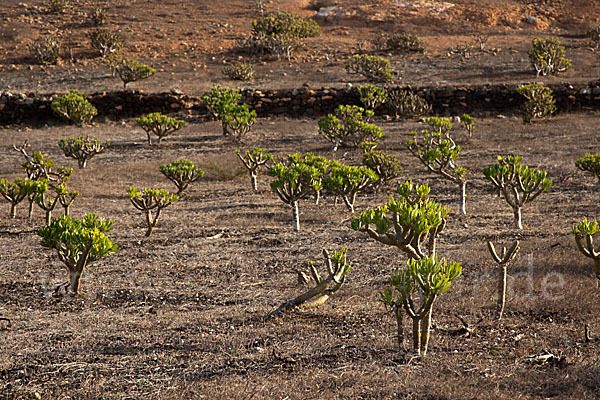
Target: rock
176	92
532	20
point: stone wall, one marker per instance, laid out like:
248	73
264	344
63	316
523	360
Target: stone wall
302	102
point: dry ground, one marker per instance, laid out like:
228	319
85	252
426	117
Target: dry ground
180	314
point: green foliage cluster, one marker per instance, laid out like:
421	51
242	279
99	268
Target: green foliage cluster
160	125
240	71
438	152
78	243
151	200
45	50
236	119
347	181
74	108
182	173
280	34
100	16
584	232
373	68
372	96
48	195
590	163
15	192
58	6
469	123
349	126
518	184
105	41
386	166
547	56
403	42
130	70
407	104
539	101
82	148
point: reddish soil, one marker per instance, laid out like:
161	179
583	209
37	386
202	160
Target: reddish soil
181	314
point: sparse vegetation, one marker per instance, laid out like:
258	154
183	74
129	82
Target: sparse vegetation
503	259
518	184
151	201
82	148
130	70
347	181
105	41
386	166
45	50
100	16
539	102
15	192
403	42
240	71
237	120
182	173
58	6
78	243
372	96
407	104
374	68
547	56
159	125
218	99
75	108
469	123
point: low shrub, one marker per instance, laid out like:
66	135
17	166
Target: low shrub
99	16
182	173
105	41
349	126
374	68
241	71
82	148
403	42
74	108
45	50
372	96
407	104
218	99
590	163
547	56
160	125
539	102
58	5
130	70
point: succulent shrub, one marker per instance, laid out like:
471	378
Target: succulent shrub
297	178
253	160
241	71
218	99
182	173
590	163
151	200
403	42
15	192
280	34
237	120
373	68
82	148
347	181
349	126
78	243
503	259
99	16
337	270
105	41
386	166
584	232
407	104
48	196
130	70
469	123
372	96
547	56
518	184
425	279
539	101
594	35
438	152
58	5
159	125
410	223
45	50
482	39
75	108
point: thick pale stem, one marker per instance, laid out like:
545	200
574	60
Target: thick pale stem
501	291
400	328
13	210
75	279
425	327
416	334
48	217
517	221
463	198
336	143
30	211
254	183
296	213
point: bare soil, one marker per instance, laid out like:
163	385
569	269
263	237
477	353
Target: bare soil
180	314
